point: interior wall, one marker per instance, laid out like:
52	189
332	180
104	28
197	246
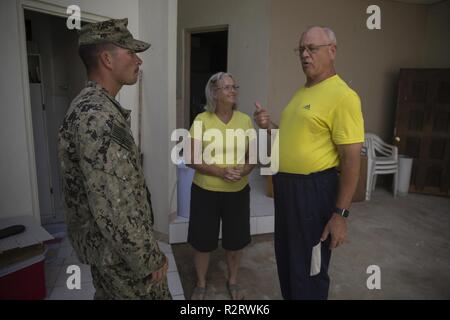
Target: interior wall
18	191
70	78
16	196
248	42
63	77
158	26
114	9
369	60
438	27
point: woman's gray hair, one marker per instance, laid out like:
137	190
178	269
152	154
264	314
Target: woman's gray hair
211	87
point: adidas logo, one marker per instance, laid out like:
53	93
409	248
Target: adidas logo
307	107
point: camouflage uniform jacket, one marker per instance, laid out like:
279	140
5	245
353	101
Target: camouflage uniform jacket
108	208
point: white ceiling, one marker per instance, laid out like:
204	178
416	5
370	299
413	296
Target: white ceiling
419	1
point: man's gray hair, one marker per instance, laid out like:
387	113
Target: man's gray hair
211	86
330	33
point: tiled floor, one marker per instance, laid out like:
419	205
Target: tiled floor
61	255
257	274
406	237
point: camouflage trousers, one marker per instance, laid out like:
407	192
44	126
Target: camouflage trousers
118	283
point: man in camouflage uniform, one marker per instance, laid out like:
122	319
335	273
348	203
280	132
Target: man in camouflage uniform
108	209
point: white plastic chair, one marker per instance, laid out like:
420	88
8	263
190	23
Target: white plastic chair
382	158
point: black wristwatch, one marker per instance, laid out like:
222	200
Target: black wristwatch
342	212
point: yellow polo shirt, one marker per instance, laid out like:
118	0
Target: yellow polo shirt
214	138
316	120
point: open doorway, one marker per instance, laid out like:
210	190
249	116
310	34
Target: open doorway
56	75
207	54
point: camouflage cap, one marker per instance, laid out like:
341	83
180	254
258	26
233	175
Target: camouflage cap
111	31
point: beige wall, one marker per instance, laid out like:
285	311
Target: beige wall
153	20
369	60
16	195
18	187
157	24
115	9
438	44
248	22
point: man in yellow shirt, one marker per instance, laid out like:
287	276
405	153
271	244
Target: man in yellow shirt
321	129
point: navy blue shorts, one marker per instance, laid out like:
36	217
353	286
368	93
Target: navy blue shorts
303	206
208	208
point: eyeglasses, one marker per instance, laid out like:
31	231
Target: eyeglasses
229	87
311	49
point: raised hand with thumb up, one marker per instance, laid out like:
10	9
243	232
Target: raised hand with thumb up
261	116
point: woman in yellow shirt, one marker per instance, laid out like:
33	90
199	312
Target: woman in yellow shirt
220	190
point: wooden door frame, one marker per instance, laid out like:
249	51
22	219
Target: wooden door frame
54	10
188	32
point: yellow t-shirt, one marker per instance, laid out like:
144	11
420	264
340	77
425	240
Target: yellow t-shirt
316	120
222	146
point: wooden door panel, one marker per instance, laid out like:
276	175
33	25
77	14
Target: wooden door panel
422	127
